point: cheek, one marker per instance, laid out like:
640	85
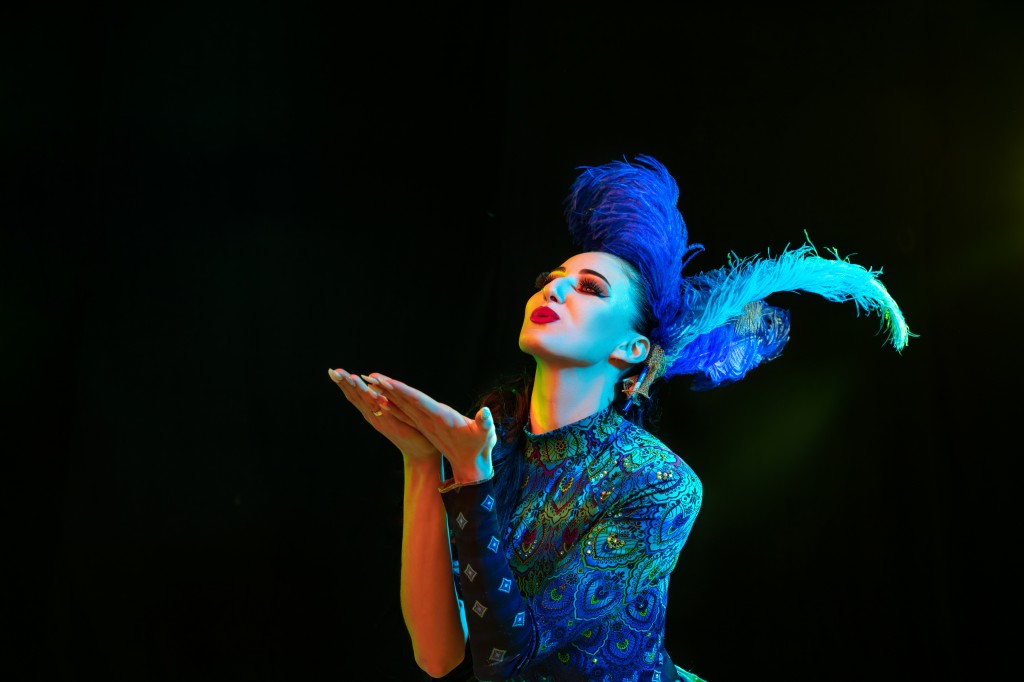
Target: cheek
598	326
610	328
611	322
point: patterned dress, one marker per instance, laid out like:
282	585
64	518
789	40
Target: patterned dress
577	587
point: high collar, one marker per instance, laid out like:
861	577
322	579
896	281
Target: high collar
576	440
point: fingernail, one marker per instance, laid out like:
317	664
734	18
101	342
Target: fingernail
369	380
334	375
385	383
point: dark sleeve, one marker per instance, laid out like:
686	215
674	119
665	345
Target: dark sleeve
501	631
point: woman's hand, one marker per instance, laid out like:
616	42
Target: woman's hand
389	420
466	443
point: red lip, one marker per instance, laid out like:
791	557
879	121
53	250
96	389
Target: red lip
543	315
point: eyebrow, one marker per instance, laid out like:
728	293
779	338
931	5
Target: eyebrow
585	271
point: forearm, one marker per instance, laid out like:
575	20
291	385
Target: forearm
430	607
501	623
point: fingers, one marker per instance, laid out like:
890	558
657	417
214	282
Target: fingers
379	380
416	404
352	382
340	377
417	409
390	408
484	418
374	389
449	431
366	400
390	388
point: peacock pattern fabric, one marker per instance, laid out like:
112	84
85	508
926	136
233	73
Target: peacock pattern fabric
577	587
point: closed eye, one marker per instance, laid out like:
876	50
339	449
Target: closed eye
585	284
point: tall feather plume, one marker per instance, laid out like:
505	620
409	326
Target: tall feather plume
630	210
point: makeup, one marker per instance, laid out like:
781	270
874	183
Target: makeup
543	315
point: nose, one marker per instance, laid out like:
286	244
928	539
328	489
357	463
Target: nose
555	289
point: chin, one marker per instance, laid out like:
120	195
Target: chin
531	345
547	355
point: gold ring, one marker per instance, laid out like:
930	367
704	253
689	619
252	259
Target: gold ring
378	413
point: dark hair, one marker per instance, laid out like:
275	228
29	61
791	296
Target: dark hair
509	402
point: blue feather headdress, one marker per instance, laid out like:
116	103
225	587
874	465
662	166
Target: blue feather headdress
716	325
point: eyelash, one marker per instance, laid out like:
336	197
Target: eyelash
586	284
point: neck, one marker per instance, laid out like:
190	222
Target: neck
563	395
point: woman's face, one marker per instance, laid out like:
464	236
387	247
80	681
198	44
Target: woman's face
582	313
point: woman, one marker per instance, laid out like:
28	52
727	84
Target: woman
564	514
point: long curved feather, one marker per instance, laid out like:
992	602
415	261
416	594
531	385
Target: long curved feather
719	298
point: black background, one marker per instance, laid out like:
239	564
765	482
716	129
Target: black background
205	207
